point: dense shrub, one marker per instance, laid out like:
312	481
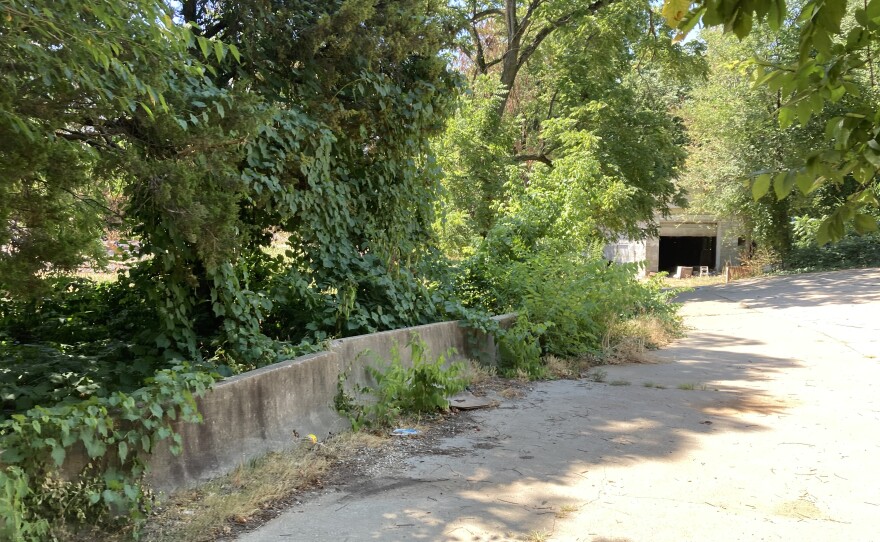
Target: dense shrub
574	299
79	339
115	432
852	251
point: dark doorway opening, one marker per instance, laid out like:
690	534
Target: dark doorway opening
686	252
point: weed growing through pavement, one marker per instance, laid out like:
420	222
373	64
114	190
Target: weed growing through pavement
566	509
423	387
597	375
538	536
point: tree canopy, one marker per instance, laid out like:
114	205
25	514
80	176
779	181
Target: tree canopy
832	64
568	126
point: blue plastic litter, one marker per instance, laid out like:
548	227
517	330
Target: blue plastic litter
405	432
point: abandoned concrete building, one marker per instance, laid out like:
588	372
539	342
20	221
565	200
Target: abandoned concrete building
685	240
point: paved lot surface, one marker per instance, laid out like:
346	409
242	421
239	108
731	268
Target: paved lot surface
779	439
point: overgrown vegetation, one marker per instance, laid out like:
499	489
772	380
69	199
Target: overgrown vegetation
294	172
569	305
115	432
853	251
422	387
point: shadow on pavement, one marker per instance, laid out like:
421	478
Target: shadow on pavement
511	476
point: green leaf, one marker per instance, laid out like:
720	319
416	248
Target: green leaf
783	183
203	45
804	111
768	76
218	51
829	14
836	227
235	54
58	455
776	14
12	456
804	182
865	223
761	186
674	11
822	42
123	450
823	236
742	24
786	116
872	157
95	448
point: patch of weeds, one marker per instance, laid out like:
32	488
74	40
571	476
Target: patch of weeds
424	387
619	383
566	510
519	350
511	393
522	375
478	374
690	386
628	341
654	385
597	375
107	493
538	536
565	368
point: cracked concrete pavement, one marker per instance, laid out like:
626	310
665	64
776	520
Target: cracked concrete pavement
762	424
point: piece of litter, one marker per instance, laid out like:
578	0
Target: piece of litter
405	432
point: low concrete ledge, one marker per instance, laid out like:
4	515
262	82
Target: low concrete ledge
250	415
270	409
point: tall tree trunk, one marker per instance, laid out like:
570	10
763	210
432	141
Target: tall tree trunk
510	62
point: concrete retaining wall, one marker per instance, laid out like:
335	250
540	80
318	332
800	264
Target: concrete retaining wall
271	409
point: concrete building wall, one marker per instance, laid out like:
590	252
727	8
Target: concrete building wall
625	251
679	224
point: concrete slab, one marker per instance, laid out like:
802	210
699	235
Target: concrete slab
468	401
761	425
